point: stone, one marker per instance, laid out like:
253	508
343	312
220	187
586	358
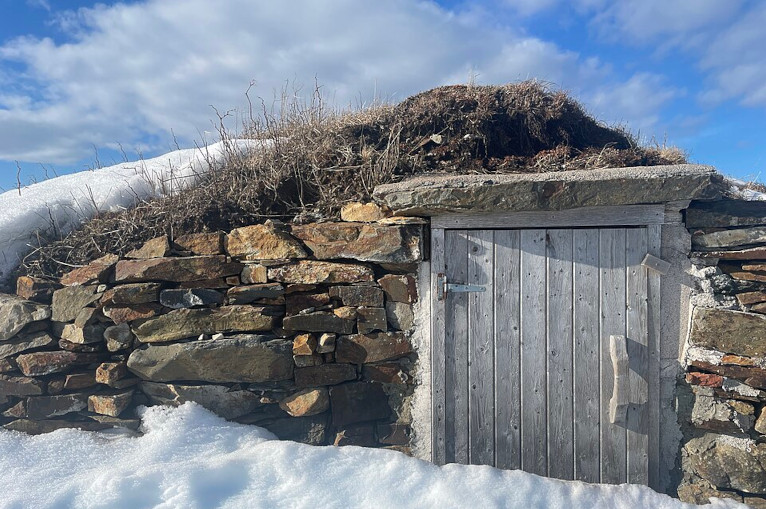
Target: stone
23	343
117	422
754	267
6	366
393	434
358	402
746	276
223	360
47	363
729	331
233	281
119	337
326	343
725	213
155	248
187	323
21	386
263	242
75	347
363	212
316	272
85	335
97	271
297	302
219	283
400	315
704	379
371	319
192	268
304	344
87	316
41	427
254	274
362	241
190	297
326	374
759	308
387	373
345	312
77	381
134	293
363	349
730	238
760	424
754	253
305	361
223	401
741	372
306	402
108	373
700	491
45	407
360	436
121	315
110	404
710	413
758	381
248	294
201	244
430	195
318	322
399	288
17	411
69	301
358	295
728	462
310	430
16	313
299	288
738	360
36	289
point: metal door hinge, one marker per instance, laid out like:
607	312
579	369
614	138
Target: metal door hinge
443	287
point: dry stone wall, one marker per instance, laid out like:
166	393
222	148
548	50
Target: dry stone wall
722	398
304	330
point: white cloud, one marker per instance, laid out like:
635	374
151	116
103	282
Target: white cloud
140	70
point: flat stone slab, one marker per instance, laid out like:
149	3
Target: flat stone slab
729	331
434	194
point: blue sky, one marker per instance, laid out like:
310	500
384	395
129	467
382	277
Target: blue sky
82	82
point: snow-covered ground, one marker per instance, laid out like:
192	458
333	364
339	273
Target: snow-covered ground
68	200
189	458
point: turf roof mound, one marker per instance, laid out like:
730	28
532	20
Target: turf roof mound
314	159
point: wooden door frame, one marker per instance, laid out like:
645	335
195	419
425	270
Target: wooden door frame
650	216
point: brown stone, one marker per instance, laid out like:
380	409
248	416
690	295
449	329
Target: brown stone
755	253
218	283
360	436
6	366
254	274
297	302
110	404
108	373
318	322
224	401
729	331
345	312
134	293
704	379
760	424
120	315
363	212
754	267
263	242
299	288
154	248
306	402
326	374
759	308
371	319
46	363
737	360
758	381
69	301
399	288
746	276
16	313
304	344
41	427
363	349
45	407
187	323
75	347
20	386
193	268
358	402
387	373
201	244
17	411
358	295
728	462
315	272
97	271
23	343
249	359
362	241
79	381
85	335
739	372
251	293
36	289
394	434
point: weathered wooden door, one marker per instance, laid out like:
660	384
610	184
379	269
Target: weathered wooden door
522	371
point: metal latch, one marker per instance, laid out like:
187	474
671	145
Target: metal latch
443	287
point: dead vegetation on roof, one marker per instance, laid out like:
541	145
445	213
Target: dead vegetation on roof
314	158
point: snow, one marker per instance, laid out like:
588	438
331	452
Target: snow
189	458
740	191
68	200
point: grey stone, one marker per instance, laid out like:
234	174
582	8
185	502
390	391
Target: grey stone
21	386
45	407
318	322
187	269
190	297
729	331
47	363
371	319
133	293
118	337
83	336
248	294
730	238
24	343
187	323
222	360
358	295
224	401
358	402
16	313
400	315
310	430
69	301
40	427
326	374
725	213
714	414
728	462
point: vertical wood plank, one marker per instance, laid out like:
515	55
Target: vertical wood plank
533	314
587	412
438	398
481	348
507	368
456	349
612	283
638	354
654	305
560	384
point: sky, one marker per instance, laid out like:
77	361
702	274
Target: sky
85	84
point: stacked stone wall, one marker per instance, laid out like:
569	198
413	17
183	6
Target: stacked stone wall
304	330
722	397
